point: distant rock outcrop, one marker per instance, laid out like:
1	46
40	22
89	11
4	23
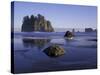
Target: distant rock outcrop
36	23
88	30
54	51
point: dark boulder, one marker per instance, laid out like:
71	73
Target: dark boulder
54	51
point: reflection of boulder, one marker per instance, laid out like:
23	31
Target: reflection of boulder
54	51
69	35
36	23
35	42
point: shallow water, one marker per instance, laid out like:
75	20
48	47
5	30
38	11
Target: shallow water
80	52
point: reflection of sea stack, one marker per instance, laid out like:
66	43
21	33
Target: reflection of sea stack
69	35
36	23
28	42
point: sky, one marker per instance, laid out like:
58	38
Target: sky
60	15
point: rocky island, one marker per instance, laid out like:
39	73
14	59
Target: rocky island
36	23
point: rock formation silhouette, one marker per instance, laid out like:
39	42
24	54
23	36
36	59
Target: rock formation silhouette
36	23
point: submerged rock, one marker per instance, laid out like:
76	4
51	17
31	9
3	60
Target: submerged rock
54	51
92	40
69	35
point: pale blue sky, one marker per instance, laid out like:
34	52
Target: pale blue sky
60	15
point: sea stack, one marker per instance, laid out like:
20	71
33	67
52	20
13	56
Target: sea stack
36	23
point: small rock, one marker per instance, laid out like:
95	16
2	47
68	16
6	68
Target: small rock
69	35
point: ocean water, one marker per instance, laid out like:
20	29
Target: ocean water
80	52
